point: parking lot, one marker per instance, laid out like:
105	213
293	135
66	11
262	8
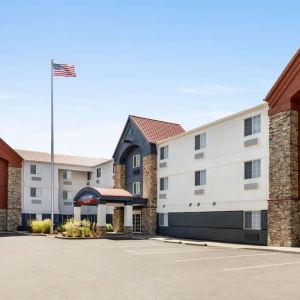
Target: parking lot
34	267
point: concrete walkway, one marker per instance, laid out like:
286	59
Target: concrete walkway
225	245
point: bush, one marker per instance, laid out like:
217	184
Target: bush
74	228
40	226
109	227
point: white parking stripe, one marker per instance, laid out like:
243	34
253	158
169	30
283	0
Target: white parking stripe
224	257
167	252
263	266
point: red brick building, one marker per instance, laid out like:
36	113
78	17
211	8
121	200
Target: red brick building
10	188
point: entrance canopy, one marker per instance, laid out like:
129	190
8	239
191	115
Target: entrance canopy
96	195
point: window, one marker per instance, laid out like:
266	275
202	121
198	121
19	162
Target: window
136	188
67	174
252	125
252	169
33	192
98	172
136	161
65	195
89	175
200	177
33	169
163	184
164	152
252	220
163	219
200	141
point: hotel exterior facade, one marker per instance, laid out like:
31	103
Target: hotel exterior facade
234	180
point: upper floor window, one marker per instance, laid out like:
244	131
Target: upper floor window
164	152
136	161
252	125
35	192
200	177
67	174
136	188
33	169
66	195
89	175
252	169
98	172
200	141
163	184
252	220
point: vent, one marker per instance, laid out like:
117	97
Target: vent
251	142
199	192
163	165
251	237
250	186
35	201
68	203
199	155
98	181
67	182
162	196
34	178
136	171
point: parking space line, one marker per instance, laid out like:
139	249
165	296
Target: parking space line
224	257
263	266
168	252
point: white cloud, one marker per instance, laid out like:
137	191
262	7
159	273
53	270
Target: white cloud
210	89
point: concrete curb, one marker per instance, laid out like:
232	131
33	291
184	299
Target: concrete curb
293	250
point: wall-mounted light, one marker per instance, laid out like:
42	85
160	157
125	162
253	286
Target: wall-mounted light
190	204
198	204
214	203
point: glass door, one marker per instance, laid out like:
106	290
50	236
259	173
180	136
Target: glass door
137	222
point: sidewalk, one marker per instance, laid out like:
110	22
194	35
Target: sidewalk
225	245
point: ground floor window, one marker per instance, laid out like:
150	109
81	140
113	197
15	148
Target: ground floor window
163	219
252	220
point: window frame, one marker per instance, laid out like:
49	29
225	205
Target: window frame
164	152
136	188
254	128
200	141
136	161
163	184
98	172
31	169
255	219
199	179
65	193
254	173
33	194
163	220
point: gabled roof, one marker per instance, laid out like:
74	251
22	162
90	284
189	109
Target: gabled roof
10	155
155	130
286	86
44	157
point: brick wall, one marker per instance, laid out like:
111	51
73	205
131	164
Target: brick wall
283	204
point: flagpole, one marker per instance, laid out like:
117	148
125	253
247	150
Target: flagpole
52	151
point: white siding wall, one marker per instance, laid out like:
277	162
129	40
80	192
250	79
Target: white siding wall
223	160
78	180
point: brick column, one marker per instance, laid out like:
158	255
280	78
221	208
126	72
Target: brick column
150	193
283	204
119	183
14	206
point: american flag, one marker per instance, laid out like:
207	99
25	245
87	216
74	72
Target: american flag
63	70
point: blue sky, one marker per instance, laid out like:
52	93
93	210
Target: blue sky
185	61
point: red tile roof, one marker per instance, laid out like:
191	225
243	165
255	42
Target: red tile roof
155	130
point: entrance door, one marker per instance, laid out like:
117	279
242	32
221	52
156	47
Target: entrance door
137	221
3	183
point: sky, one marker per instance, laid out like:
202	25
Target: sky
185	61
